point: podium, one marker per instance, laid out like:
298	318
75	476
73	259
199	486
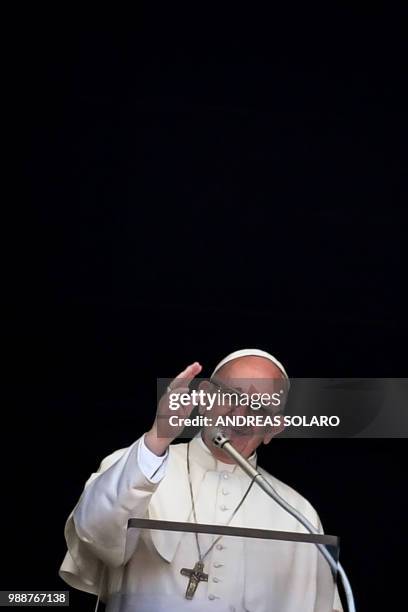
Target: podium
241	570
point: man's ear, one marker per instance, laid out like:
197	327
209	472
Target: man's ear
277	429
205	386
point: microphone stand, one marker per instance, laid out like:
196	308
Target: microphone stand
221	441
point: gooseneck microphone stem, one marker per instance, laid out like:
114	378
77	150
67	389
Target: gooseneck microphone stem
221	441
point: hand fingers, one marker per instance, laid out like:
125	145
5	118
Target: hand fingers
186	376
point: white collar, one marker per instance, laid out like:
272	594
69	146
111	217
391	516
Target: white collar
207	459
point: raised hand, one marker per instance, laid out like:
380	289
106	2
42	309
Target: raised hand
161	434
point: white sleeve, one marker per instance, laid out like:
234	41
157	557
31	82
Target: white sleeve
152	466
111	497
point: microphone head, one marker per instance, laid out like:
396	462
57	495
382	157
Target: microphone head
218	437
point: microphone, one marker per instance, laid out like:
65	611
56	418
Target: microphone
220	440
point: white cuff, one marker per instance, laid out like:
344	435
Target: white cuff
152	466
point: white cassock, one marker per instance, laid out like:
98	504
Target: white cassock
244	575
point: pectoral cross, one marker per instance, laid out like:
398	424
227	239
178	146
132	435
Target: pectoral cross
195	575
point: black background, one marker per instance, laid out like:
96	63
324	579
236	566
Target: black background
193	184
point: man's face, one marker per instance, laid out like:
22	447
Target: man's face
249	377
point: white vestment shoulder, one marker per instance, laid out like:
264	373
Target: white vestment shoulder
104	557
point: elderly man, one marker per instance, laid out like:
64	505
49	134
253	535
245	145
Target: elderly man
150	571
